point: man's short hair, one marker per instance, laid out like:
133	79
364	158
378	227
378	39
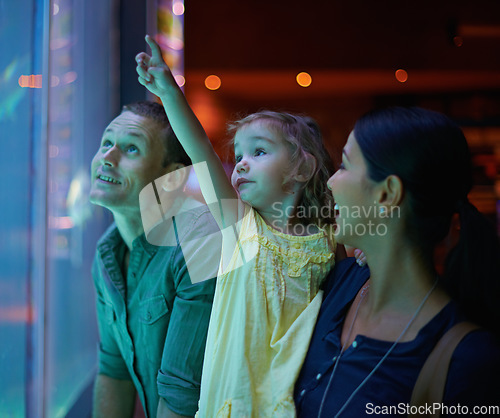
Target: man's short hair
174	153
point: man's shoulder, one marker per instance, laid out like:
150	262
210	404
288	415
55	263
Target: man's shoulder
195	221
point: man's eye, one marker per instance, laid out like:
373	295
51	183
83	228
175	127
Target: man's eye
106	143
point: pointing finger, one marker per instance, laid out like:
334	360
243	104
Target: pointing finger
155	49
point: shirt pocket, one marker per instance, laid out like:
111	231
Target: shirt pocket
108	313
152	309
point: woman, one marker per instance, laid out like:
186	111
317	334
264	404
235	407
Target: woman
404	173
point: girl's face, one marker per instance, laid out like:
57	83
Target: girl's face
262	163
353	191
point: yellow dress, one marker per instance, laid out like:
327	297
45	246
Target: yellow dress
266	302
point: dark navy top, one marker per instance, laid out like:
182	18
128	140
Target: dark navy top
473	378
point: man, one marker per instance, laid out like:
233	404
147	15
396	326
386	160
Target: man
152	316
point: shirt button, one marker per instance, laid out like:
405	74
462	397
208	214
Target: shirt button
303	392
354	344
148	316
296	245
318	376
335	358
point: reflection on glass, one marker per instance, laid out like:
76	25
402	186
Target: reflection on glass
48	234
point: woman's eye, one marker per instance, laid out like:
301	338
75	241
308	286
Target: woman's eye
132	149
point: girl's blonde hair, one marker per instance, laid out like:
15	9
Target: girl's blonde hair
303	135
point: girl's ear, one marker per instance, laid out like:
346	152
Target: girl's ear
175	178
307	168
390	193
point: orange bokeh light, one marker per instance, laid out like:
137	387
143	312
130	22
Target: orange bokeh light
401	75
212	82
32	81
304	79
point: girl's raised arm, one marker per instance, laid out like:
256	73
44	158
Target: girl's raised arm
155	75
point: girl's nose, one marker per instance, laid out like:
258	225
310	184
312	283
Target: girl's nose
242	167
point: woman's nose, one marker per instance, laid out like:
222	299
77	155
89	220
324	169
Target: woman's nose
329	183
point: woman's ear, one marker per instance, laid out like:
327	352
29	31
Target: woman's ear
307	169
390	193
176	177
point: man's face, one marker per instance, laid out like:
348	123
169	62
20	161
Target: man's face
130	157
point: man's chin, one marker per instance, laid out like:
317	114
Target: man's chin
95	198
99	200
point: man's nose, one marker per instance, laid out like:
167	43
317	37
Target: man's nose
111	157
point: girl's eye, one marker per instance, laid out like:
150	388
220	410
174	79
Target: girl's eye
341	166
259	152
237	159
132	149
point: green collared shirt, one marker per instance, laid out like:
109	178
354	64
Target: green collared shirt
153	323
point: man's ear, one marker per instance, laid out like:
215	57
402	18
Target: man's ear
176	177
390	193
307	169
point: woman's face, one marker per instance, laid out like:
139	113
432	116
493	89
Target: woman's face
354	193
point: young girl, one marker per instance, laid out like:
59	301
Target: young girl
274	215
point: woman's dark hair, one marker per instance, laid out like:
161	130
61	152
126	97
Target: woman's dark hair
429	153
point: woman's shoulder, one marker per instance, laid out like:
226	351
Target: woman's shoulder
341	286
474	371
346	276
479	347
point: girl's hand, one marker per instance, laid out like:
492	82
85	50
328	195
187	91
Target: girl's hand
360	257
153	72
